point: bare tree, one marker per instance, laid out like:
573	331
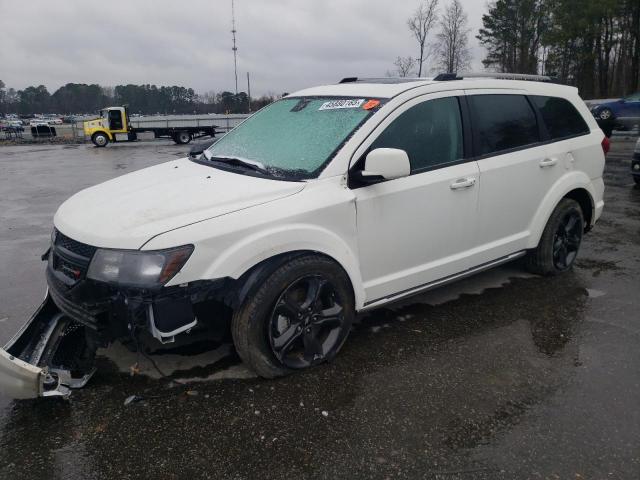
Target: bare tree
420	24
404	67
453	39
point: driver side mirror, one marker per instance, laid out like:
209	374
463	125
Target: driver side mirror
384	164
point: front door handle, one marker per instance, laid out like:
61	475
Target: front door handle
463	183
548	162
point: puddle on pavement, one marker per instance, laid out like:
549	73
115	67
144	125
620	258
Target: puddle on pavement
178	364
593	293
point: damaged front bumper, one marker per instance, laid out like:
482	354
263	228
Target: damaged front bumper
24	361
19	379
54	351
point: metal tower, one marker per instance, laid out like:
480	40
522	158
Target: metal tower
235	49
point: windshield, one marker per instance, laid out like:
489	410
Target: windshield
295	137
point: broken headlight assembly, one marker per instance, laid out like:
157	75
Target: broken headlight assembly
137	268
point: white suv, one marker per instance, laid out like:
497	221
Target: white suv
331	201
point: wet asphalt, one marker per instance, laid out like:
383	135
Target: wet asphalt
502	376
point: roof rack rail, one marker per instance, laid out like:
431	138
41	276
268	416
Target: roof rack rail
443	77
382	80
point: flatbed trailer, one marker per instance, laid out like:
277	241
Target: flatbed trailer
116	125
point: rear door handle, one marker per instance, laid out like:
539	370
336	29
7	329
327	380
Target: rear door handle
463	183
548	162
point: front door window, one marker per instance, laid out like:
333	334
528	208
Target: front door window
115	120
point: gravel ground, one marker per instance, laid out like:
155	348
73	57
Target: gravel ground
501	376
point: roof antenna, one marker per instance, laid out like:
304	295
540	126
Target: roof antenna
235	49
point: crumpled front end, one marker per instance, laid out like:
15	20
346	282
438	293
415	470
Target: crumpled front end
55	350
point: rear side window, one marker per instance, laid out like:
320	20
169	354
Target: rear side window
503	122
430	133
560	117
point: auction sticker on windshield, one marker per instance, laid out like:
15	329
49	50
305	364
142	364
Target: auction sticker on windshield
337	104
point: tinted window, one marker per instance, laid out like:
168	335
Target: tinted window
560	117
503	122
430	133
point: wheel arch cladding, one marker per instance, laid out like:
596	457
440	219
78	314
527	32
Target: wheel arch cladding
586	203
576	186
253	277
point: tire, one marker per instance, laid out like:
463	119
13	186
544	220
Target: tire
636	178
605	114
560	241
182	138
100	139
270	333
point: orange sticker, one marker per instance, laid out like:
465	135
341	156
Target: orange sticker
371	104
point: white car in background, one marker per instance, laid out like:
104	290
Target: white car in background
331	201
34	122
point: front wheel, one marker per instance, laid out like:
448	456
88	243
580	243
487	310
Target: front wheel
100	139
636	178
560	241
297	318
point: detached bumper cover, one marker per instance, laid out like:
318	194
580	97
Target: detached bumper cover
19	379
24	370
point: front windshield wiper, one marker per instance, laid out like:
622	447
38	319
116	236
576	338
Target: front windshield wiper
242	162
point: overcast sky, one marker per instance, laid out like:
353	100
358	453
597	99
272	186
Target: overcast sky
285	44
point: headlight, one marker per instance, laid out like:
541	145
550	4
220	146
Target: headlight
135	268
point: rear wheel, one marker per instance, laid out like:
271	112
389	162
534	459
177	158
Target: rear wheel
297	318
560	241
182	138
100	139
605	114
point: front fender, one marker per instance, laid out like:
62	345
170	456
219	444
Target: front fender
256	248
571	181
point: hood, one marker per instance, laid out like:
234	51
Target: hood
91	124
128	211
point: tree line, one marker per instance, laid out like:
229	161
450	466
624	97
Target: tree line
78	98
591	44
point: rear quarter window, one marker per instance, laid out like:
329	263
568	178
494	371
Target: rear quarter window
560	117
502	122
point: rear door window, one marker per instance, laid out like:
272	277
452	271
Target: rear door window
560	117
430	133
503	122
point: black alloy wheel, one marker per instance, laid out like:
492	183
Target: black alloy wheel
560	241
297	313
306	322
567	239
